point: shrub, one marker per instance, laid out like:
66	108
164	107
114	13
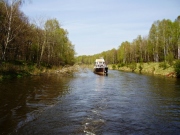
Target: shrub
153	69
119	65
122	64
140	67
177	68
163	65
113	66
170	59
132	66
31	68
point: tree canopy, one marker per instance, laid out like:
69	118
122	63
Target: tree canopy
161	44
22	40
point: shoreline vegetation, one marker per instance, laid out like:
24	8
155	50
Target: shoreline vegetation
31	47
43	46
19	69
157	53
154	68
151	68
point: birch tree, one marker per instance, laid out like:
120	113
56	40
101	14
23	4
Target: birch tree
177	34
153	40
10	29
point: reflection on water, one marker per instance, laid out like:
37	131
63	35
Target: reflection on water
120	103
23	100
99	83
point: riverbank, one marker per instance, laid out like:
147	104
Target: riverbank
148	68
63	71
20	69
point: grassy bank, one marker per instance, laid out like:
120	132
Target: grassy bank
163	69
18	69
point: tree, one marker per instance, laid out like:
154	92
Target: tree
41	39
124	52
165	37
177	35
153	40
11	29
162	44
43	42
51	27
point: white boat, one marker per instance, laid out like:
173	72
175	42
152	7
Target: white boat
100	67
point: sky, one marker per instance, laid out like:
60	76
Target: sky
95	26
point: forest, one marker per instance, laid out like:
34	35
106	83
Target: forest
162	44
43	42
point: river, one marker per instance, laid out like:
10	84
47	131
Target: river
86	103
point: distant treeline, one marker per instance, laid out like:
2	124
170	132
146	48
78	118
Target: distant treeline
41	42
162	44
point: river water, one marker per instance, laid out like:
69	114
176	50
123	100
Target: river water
86	103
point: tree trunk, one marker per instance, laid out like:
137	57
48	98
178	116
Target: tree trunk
41	54
164	53
9	16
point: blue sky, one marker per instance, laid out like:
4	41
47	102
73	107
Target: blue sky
100	25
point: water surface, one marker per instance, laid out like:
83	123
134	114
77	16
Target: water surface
120	103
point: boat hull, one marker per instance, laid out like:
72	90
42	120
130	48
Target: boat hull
100	71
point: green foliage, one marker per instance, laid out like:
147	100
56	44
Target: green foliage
19	76
153	69
13	69
49	44
119	65
31	68
113	66
13	74
163	65
145	49
140	67
170	59
42	42
177	68
133	66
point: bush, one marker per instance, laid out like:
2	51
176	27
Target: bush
163	65
132	66
122	64
113	66
31	68
140	67
177	68
119	65
170	59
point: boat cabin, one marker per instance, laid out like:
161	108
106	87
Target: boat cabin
100	67
99	63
